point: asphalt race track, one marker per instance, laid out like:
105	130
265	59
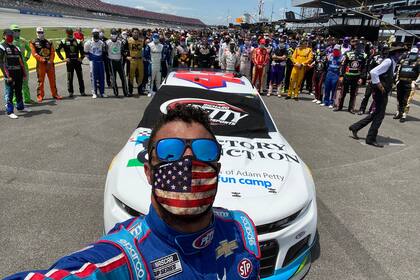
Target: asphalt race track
54	161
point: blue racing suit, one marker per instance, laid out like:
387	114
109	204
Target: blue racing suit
95	51
147	58
147	248
331	79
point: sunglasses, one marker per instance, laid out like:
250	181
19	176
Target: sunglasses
40	32
16	30
172	149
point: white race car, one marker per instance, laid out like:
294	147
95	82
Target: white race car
261	174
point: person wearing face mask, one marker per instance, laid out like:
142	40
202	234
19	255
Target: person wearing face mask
106	60
346	46
147	65
301	58
352	70
245	53
204	54
223	47
114	51
126	62
166	56
278	65
13	68
260	58
407	74
333	71
24	47
183	236
382	81
44	53
73	48
230	59
156	49
95	51
289	64
135	57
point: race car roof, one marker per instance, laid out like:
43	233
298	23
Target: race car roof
230	114
211	80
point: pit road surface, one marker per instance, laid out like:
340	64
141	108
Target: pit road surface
54	162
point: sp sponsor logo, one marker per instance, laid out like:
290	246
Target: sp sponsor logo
245	268
203	240
249	232
220	112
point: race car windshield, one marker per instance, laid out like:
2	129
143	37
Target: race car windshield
230	114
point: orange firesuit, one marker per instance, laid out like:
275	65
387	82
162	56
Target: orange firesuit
44	53
303	57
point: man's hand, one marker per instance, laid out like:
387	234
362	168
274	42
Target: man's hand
360	81
129	58
381	87
298	65
9	80
68	60
341	79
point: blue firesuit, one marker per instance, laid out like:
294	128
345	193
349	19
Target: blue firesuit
147	58
147	248
331	79
95	51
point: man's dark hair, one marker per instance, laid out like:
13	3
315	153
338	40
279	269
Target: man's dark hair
185	113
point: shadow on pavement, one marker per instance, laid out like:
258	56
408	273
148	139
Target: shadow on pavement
44	103
35	113
316	250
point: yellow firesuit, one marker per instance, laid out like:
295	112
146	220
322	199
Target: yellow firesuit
303	56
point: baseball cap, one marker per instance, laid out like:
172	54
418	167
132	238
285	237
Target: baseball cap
337	47
7	32
39	29
14	27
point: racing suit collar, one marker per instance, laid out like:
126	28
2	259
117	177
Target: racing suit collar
188	243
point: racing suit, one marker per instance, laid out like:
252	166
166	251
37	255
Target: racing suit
147	58
303	56
245	57
353	69
260	58
106	65
147	248
73	49
44	53
289	67
156	63
319	74
114	51
230	61
23	46
375	61
166	59
278	65
95	51
205	56
407	74
12	66
183	56
331	79
135	56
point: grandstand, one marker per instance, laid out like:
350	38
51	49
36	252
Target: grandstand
99	10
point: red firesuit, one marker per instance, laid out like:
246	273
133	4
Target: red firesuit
260	58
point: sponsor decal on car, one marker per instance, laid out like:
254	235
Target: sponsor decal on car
210	80
220	112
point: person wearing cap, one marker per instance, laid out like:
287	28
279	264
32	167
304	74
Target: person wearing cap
43	51
230	59
382	82
245	54
183	54
156	49
135	46
407	74
114	54
352	70
301	58
333	72
94	50
204	54
13	68
73	49
23	46
260	58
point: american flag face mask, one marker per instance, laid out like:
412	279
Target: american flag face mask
185	187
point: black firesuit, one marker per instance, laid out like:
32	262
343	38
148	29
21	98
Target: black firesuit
73	48
205	56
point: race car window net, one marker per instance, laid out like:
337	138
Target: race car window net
241	115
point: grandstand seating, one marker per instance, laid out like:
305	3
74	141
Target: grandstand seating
97	8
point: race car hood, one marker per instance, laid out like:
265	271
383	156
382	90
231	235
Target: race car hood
263	177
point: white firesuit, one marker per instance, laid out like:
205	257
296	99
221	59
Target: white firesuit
246	57
230	61
156	54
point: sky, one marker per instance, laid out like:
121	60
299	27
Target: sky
209	11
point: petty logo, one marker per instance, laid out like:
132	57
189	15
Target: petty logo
220	112
204	240
208	80
245	268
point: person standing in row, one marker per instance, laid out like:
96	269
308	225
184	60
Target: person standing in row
245	52
73	48
25	49
260	58
230	59
333	72
11	64
95	51
320	67
135	57
277	69
44	53
382	80
114	53
106	60
156	49
407	74
301	58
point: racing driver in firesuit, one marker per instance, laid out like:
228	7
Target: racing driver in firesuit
182	236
